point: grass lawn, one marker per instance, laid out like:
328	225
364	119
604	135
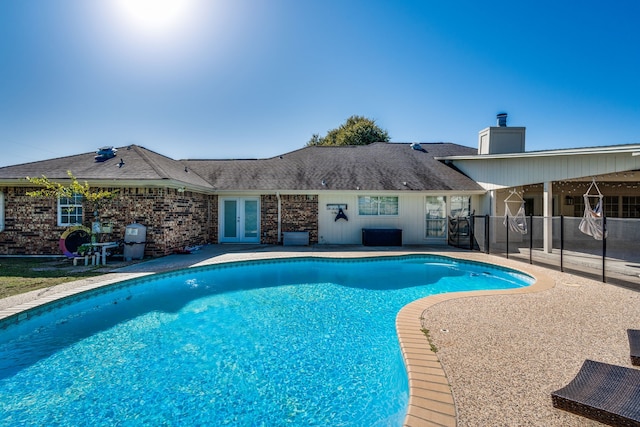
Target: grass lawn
19	275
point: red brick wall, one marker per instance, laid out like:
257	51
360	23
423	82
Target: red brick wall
269	219
298	213
30	224
173	220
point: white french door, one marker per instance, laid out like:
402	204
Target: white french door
240	220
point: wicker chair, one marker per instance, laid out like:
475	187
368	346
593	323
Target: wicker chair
606	393
634	346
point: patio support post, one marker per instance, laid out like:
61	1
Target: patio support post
547	217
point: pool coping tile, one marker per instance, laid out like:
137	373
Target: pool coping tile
431	400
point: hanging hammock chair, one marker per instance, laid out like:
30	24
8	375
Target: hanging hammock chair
592	220
518	222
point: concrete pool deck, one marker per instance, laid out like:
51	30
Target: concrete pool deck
499	354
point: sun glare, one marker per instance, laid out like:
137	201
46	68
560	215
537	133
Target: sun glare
156	17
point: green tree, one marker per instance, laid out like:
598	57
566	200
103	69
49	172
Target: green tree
356	130
51	189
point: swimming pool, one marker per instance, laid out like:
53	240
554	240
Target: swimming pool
304	341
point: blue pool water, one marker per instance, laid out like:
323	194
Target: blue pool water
267	343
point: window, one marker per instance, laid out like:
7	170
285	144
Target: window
460	206
460	212
70	210
630	207
378	205
436	216
578	206
610	205
529	203
1	211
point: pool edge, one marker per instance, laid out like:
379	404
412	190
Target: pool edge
431	399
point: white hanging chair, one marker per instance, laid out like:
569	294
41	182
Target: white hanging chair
592	220
518	222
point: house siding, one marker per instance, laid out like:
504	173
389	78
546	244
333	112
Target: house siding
174	220
497	173
411	218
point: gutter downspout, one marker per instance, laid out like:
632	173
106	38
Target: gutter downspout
279	216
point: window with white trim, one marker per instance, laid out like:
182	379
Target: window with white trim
70	210
1	211
378	205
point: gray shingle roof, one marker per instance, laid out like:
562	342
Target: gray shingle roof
139	164
377	167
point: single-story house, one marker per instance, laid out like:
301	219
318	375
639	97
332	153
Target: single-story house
327	194
331	193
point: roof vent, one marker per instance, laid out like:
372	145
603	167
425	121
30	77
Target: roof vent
416	146
105	153
502	120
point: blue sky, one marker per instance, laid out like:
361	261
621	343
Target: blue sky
256	78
